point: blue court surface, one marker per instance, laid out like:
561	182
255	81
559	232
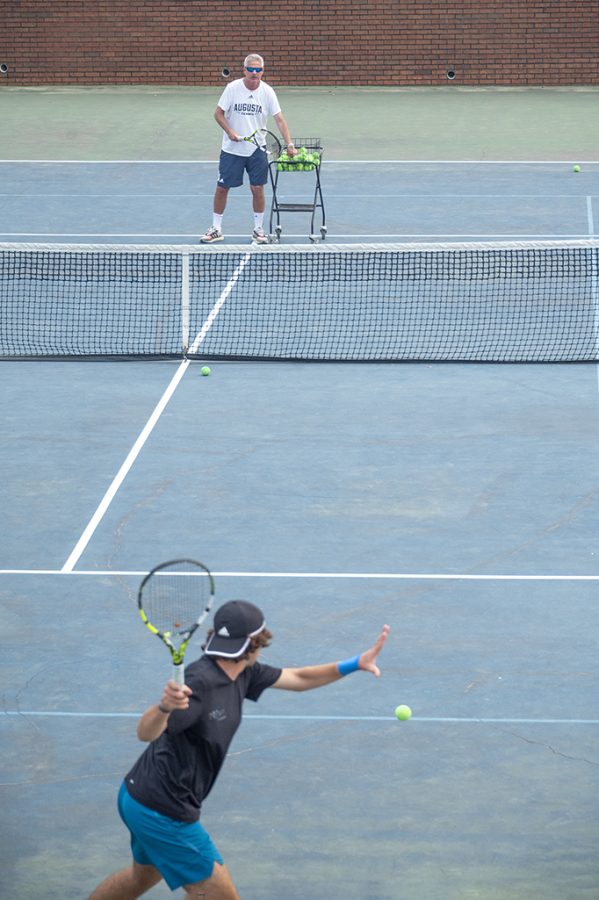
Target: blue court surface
456	502
377	201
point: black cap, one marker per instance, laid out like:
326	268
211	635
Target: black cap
235	624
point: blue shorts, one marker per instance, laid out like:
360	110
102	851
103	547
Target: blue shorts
231	168
182	852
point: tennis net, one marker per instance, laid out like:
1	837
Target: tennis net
512	302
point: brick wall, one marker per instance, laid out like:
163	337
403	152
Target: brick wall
357	42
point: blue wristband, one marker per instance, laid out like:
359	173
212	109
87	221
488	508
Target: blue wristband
349	665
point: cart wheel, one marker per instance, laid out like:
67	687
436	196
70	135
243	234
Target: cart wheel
278	230
323	231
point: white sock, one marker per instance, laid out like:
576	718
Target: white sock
217	221
258	219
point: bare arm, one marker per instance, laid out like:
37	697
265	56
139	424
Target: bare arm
219	115
285	133
309	677
155	719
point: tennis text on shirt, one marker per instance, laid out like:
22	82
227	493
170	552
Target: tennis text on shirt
246	111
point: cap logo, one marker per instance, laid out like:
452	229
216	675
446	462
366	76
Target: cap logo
223	632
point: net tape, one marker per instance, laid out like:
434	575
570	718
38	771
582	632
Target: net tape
509	301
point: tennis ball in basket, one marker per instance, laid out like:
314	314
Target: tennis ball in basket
576	168
403	712
205	370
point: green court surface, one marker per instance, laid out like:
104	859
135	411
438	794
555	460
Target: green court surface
355	123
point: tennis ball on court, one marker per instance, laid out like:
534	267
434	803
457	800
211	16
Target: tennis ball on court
205	370
403	712
576	168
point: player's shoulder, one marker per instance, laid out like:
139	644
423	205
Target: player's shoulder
232	88
235	86
268	88
202	671
269	98
262	674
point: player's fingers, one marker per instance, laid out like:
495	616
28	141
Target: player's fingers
180	702
177	691
383	636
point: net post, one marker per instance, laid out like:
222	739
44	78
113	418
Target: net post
595	295
185	302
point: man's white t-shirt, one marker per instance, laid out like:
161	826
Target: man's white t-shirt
246	111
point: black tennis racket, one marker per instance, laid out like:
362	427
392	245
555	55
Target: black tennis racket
267	141
174	599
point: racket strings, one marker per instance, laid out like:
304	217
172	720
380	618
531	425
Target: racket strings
273	146
175	600
267	141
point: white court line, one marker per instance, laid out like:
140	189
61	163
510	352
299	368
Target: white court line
457	162
325	162
591	224
403	195
391	576
307	718
408	237
115	162
95	520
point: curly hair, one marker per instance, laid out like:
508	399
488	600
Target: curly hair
258	642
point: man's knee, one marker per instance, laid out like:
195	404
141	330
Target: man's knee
145	876
219	885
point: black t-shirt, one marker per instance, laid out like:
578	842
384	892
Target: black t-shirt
176	771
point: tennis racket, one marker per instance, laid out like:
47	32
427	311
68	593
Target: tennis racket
267	141
174	599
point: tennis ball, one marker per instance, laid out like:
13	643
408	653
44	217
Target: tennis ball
403	712
576	168
205	370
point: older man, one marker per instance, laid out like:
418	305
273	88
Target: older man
244	107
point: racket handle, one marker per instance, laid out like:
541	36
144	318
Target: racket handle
179	674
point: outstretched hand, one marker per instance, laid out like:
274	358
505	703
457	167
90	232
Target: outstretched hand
369	657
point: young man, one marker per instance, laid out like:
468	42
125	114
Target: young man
244	107
189	733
